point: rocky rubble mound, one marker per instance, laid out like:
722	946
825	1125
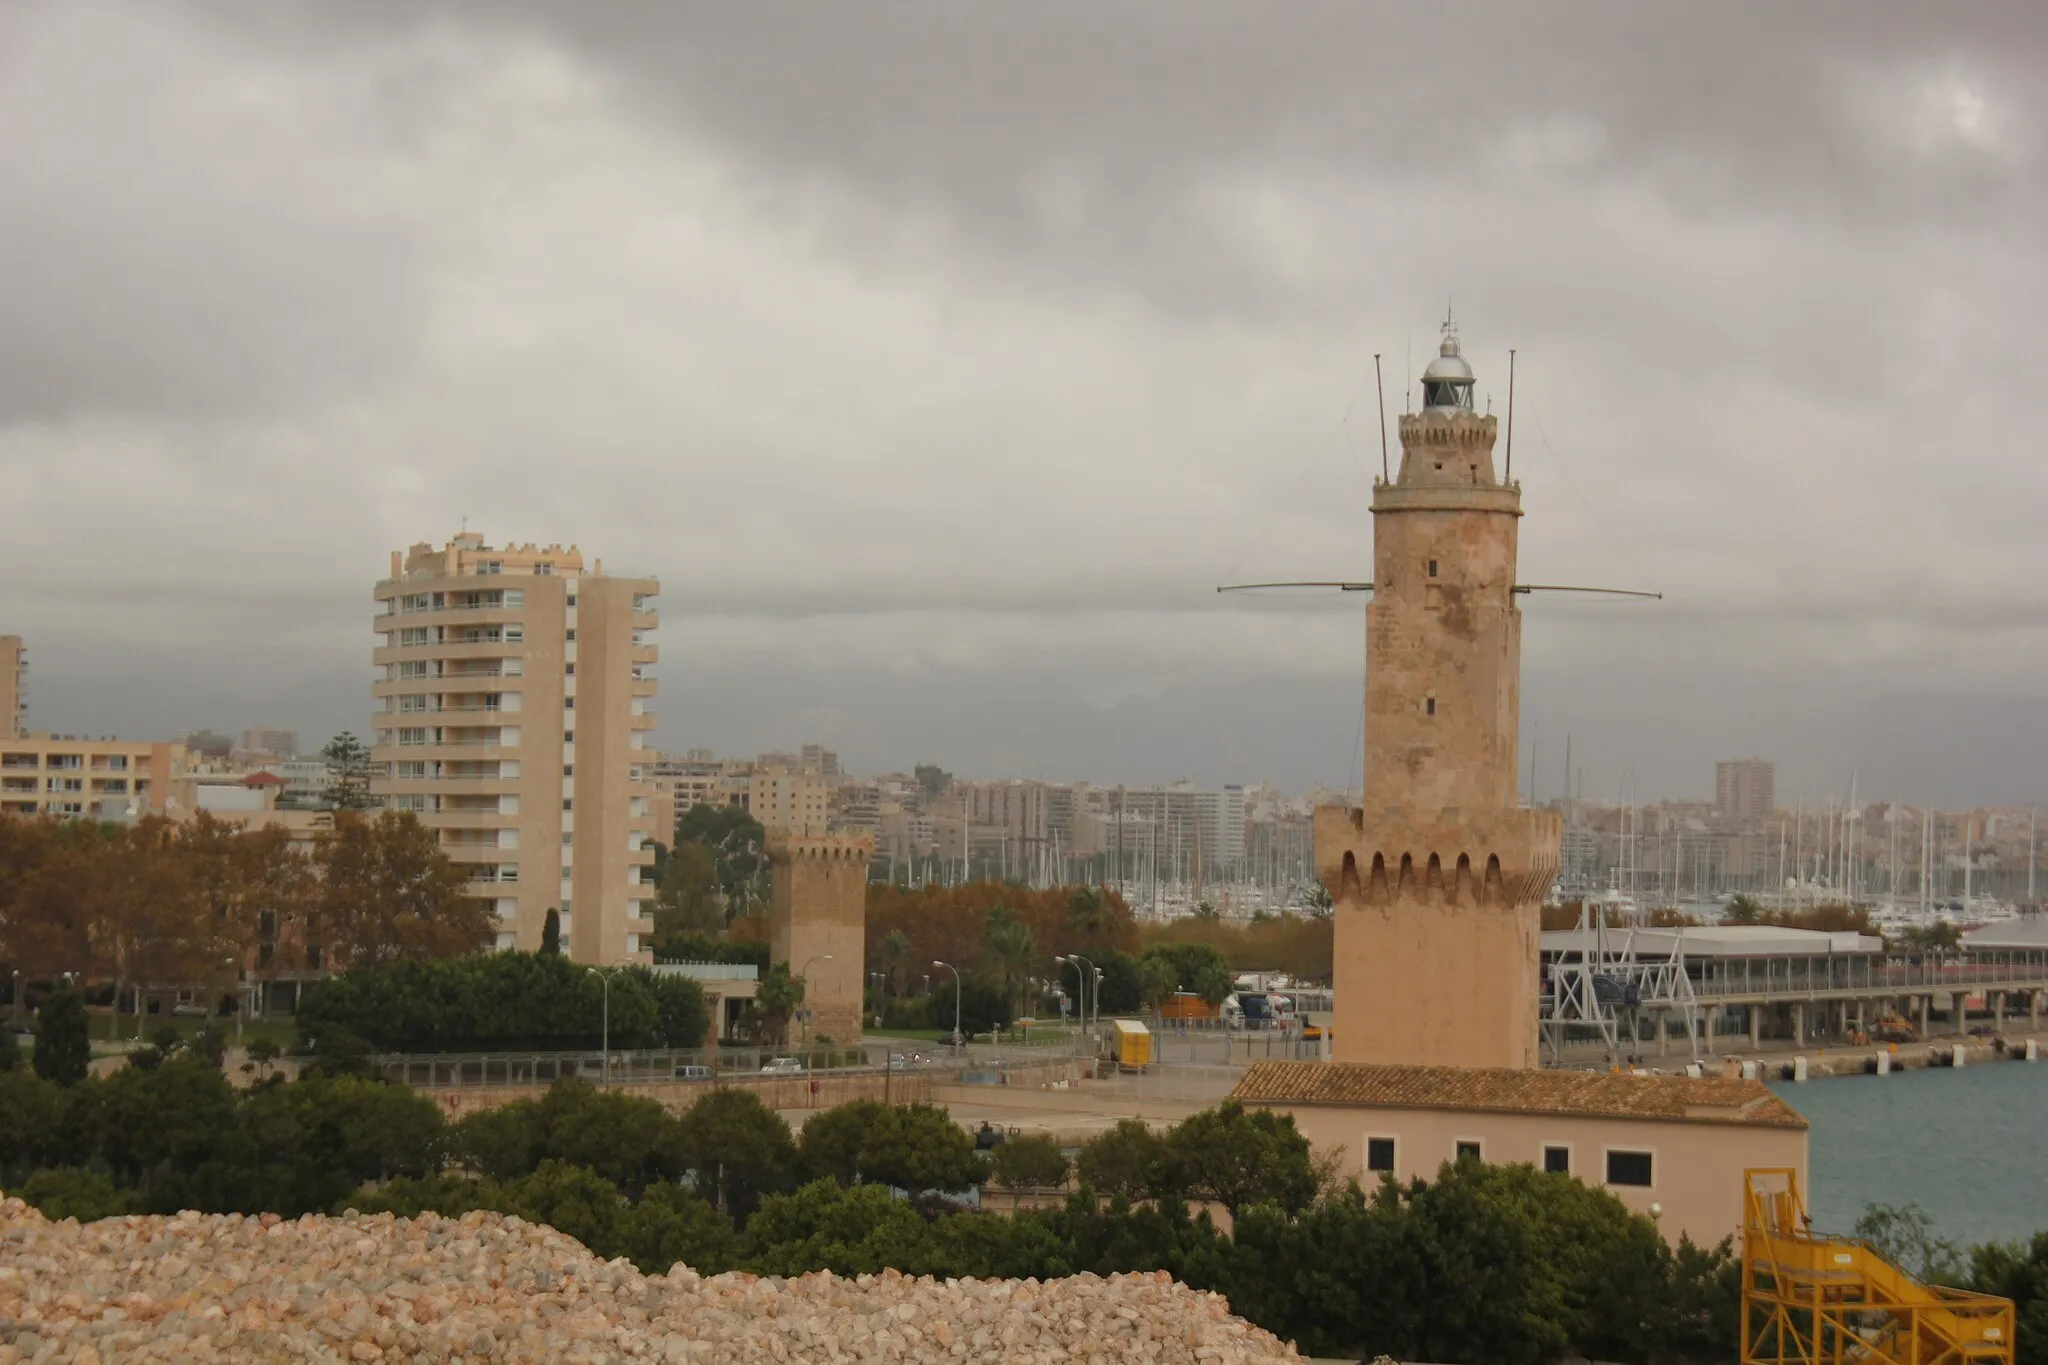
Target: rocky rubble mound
490	1288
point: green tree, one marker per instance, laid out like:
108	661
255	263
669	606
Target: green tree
2018	1271
1197	969
348	773
894	954
830	1144
1237	1157
739	849
1157	981
1743	909
63	1038
1030	1163
983	1008
551	933
859	1231
10	1052
668	1224
916	1147
570	1199
933	779
736	1149
1905	1235
777	997
1318	903
690	899
1008	955
72	1192
1127	1161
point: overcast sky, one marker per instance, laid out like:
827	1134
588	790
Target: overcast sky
942	359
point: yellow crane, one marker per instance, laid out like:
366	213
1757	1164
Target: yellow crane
1810	1298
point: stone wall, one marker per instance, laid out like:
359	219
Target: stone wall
818	910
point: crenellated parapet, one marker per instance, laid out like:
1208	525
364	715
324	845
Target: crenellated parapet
1448	430
1507	858
834	848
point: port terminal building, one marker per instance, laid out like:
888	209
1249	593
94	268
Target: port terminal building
1732	986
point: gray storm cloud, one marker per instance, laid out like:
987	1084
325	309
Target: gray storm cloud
941	364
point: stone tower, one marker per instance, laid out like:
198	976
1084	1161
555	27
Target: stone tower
818	908
1438	877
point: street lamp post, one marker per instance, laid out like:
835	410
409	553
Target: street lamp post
805	977
1081	982
604	974
956	997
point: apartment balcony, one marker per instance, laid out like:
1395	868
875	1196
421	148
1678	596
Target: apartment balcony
435	786
640	857
642	687
468	819
387	752
448	653
20	763
642	722
641	891
646	618
646	654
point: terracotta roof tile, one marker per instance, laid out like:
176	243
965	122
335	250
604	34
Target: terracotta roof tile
1503	1090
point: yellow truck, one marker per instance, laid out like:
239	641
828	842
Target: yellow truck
1133	1043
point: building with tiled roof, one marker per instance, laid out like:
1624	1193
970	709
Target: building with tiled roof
1672	1147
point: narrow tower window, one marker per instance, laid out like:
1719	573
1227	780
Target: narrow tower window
1432	568
1429	706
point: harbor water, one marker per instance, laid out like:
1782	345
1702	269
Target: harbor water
1966	1146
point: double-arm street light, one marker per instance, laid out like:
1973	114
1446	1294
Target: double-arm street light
1093	974
604	974
956	997
1075	960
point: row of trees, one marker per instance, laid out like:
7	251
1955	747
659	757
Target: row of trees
1482	1263
162	903
495	1002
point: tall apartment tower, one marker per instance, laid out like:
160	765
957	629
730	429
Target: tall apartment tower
13	687
1438	877
1746	788
513	697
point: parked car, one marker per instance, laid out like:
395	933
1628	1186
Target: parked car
782	1066
189	1009
687	1072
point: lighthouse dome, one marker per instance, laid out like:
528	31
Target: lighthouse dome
1447	382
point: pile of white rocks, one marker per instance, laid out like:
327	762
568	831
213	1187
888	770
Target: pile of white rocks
490	1288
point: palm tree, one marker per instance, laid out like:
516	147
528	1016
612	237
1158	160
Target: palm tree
893	952
1088	913
1008	953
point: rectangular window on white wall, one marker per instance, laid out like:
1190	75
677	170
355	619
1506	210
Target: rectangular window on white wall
514	634
507	908
515	597
508	872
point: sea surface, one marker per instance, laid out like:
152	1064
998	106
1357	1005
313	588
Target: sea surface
1970	1147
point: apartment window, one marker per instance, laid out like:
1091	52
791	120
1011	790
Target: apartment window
571	635
1467	1149
567	838
1432	568
413	668
514	634
490	566
568	803
417	601
413	635
412	736
1379	1155
568	670
1630	1168
568	770
572	599
1557	1160
411	769
515	597
415	702
568	736
568	703
117	763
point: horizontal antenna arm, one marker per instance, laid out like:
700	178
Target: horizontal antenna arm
1339	584
1611	592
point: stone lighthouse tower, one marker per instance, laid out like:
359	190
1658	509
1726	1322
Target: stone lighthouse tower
1438	877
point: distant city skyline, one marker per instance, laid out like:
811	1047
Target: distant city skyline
940	407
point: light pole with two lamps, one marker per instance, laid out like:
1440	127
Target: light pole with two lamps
604	974
957	1039
1075	960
